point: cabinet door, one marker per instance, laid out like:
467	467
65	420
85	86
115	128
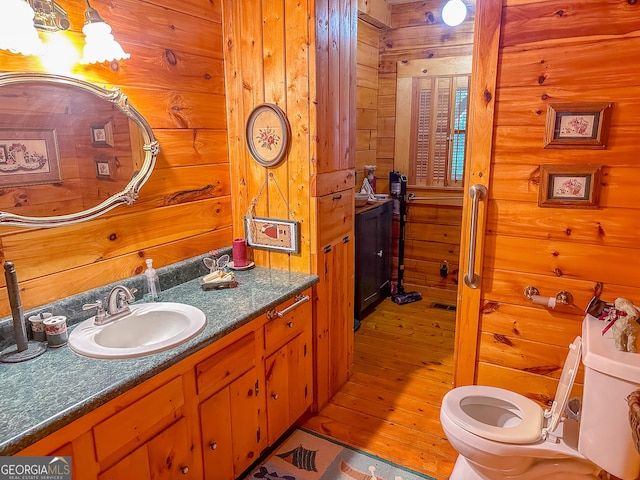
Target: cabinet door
217	446
368	254
373	256
334	321
288	374
248	421
171	454
166	456
135	465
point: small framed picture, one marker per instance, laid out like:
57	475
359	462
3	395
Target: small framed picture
267	134
105	168
272	234
569	186
102	135
577	125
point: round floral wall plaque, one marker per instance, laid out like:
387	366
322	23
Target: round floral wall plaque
267	134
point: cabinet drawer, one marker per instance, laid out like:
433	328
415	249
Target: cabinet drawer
140	420
279	331
335	217
222	368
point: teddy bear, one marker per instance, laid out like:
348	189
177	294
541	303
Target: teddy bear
625	328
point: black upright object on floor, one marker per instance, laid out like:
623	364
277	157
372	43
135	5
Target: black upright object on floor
400	193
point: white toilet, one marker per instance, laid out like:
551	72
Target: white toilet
500	434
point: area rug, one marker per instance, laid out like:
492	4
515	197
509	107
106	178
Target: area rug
305	455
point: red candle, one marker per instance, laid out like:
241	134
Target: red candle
239	252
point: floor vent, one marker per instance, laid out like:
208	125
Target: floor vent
443	306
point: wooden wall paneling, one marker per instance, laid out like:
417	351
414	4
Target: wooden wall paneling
535	323
616	228
523	67
507	286
375	12
109	237
520	354
319	106
235	114
406	39
274	43
62	283
530	22
188	147
206	10
251	37
520	106
404	91
539	388
298	51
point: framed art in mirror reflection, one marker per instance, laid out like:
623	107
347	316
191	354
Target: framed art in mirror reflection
102	135
29	157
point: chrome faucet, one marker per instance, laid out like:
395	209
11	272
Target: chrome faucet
117	305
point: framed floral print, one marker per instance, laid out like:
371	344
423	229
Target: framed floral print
577	125
267	134
102	135
569	186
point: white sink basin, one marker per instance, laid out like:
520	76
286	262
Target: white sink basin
149	328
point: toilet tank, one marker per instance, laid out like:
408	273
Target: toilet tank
609	377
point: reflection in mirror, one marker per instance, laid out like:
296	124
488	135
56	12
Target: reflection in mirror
69	150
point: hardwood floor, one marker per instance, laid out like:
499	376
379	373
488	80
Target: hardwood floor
403	365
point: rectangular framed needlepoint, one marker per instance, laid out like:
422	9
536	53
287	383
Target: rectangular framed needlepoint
272	234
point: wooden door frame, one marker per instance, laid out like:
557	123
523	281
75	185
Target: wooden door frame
486	47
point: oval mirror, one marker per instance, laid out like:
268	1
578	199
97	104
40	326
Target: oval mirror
69	150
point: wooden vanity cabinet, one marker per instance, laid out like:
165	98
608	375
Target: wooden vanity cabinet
288	366
209	416
232	419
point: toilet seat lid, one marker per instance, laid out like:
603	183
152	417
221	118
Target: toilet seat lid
529	429
568	376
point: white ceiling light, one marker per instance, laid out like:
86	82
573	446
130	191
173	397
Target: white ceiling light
454	12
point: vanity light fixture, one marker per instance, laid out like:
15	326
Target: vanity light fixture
454	12
100	45
20	21
18	33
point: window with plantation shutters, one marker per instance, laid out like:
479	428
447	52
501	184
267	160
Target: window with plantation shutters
438	126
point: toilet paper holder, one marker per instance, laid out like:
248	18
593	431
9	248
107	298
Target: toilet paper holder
562	297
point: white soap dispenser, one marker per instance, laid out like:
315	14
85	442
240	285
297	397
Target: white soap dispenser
152	285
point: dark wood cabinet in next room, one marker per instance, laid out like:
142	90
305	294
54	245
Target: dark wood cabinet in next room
373	255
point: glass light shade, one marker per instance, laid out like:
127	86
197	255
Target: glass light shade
17	32
454	12
100	45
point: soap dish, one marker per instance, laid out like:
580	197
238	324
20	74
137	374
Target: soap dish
217	285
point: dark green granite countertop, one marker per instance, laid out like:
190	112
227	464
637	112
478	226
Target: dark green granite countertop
44	394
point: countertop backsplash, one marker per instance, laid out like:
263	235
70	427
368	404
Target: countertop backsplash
71	307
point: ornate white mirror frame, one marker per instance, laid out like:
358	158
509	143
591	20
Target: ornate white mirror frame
101	136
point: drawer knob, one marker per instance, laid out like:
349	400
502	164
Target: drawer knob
379	254
213	445
184	469
274	395
290	324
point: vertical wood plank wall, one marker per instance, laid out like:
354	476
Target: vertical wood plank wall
366	99
557	52
433	227
175	78
301	56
